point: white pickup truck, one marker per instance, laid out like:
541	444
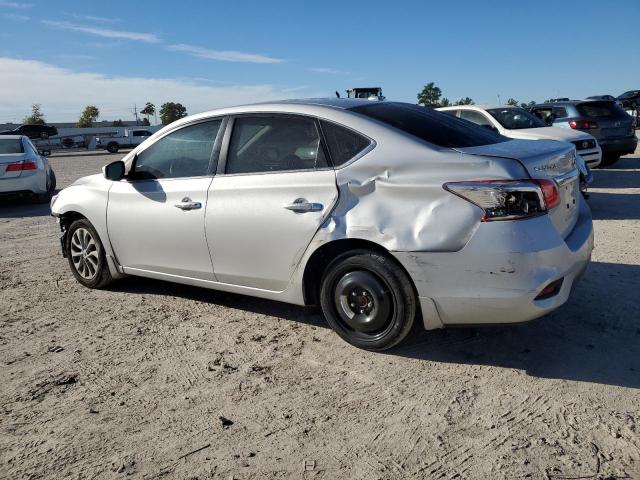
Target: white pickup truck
130	139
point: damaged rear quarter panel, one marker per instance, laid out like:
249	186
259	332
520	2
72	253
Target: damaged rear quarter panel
393	196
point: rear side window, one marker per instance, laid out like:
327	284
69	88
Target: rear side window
141	133
183	153
274	144
429	125
10	146
344	144
475	117
600	109
560	112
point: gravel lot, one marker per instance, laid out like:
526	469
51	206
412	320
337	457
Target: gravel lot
156	380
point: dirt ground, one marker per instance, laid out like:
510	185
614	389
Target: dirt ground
154	380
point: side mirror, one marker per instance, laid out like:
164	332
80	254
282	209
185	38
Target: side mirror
45	153
550	119
114	171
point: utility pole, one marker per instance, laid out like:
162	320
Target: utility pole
135	112
499	101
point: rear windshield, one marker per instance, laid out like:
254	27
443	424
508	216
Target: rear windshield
427	124
600	109
10	145
513	118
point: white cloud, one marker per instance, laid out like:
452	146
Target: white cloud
104	32
94	18
223	55
330	71
64	93
15	16
17	5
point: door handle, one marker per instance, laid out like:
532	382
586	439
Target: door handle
187	204
300	205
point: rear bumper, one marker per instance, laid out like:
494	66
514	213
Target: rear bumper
33	183
621	145
497	276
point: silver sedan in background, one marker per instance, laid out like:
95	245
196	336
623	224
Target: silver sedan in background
23	171
379	212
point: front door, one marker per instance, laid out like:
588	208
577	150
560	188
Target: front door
276	190
155	217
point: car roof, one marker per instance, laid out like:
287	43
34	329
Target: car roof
485	106
11	137
573	102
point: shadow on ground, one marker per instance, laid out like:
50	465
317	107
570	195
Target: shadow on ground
23	208
595	337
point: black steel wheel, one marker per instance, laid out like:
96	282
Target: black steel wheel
368	299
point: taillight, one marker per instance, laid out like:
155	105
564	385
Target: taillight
18	167
582	124
508	199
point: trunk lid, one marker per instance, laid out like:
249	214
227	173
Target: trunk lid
544	159
7	159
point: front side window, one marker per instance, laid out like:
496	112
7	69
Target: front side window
183	153
141	133
432	126
543	113
343	143
515	118
10	146
272	144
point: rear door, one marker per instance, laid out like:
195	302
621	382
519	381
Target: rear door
155	217
269	198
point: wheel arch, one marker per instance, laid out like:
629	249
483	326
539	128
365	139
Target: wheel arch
326	253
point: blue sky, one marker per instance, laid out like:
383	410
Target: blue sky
205	54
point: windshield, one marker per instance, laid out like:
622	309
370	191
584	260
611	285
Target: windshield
427	124
10	146
516	118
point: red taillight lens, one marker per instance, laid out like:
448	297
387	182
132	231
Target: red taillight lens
550	290
508	199
582	124
18	167
549	192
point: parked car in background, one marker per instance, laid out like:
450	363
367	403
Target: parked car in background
130	139
516	122
612	127
34	132
376	211
630	100
23	171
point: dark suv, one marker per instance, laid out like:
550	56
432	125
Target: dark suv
630	100
605	120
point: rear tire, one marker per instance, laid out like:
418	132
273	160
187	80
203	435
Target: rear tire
86	256
368	300
610	159
112	147
51	188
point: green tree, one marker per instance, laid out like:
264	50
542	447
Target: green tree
117	123
513	102
430	95
170	112
148	110
36	117
527	106
445	102
145	122
89	115
465	101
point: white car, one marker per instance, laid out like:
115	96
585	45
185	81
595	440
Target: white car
516	122
23	171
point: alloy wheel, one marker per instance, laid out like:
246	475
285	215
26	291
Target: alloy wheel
84	253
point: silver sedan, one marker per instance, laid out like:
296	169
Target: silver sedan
23	171
380	212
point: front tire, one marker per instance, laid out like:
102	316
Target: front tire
86	255
368	300
610	159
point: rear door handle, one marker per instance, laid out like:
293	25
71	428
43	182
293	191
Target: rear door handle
187	204
301	205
